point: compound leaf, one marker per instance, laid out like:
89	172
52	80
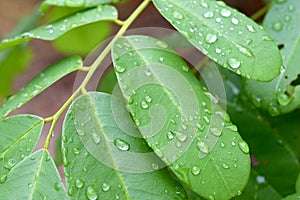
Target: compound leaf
60	27
18	137
41	82
36	177
281	95
105	156
228	37
179	119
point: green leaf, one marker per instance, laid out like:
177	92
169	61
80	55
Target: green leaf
281	95
108	82
179	119
41	82
271	151
7	60
292	197
18	137
228	37
298	184
74	4
36	177
106	158
56	29
258	189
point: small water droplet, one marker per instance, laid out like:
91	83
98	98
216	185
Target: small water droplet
210	38
79	183
196	170
208	14
120	69
162	44
177	15
244	146
251	29
161	58
144	105
222	144
216	131
260	179
284	99
185	68
154	166
291	8
170	135
181	136
233	143
235	21
273	110
137	122
277	26
225	12
121	144
234	63
76	151
80	132
225	166
91	193
30	185
96	138
3	179
57	186
105	187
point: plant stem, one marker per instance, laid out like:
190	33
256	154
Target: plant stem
124	26
261	12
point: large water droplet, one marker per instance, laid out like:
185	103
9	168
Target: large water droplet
244	146
234	63
284	99
177	15
170	135
216	131
148	99
79	183
225	12
91	193
121	144
277	26
105	187
210	38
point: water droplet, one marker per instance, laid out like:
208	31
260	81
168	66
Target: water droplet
202	147
291	8
235	21
233	143
144	105
196	170
161	58
260	179
137	122
162	44
177	15
96	138
244	146
76	151
154	166
225	166
80	132
284	99
91	193
210	38
216	131
121	144
185	68
245	51
218	19
287	18
148	99
105	187
181	136
57	186
79	183
277	26
30	185
234	63
218	51
3	179
120	69
206	119
71	191
225	13
208	14
170	135
273	110
251	29
222	144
